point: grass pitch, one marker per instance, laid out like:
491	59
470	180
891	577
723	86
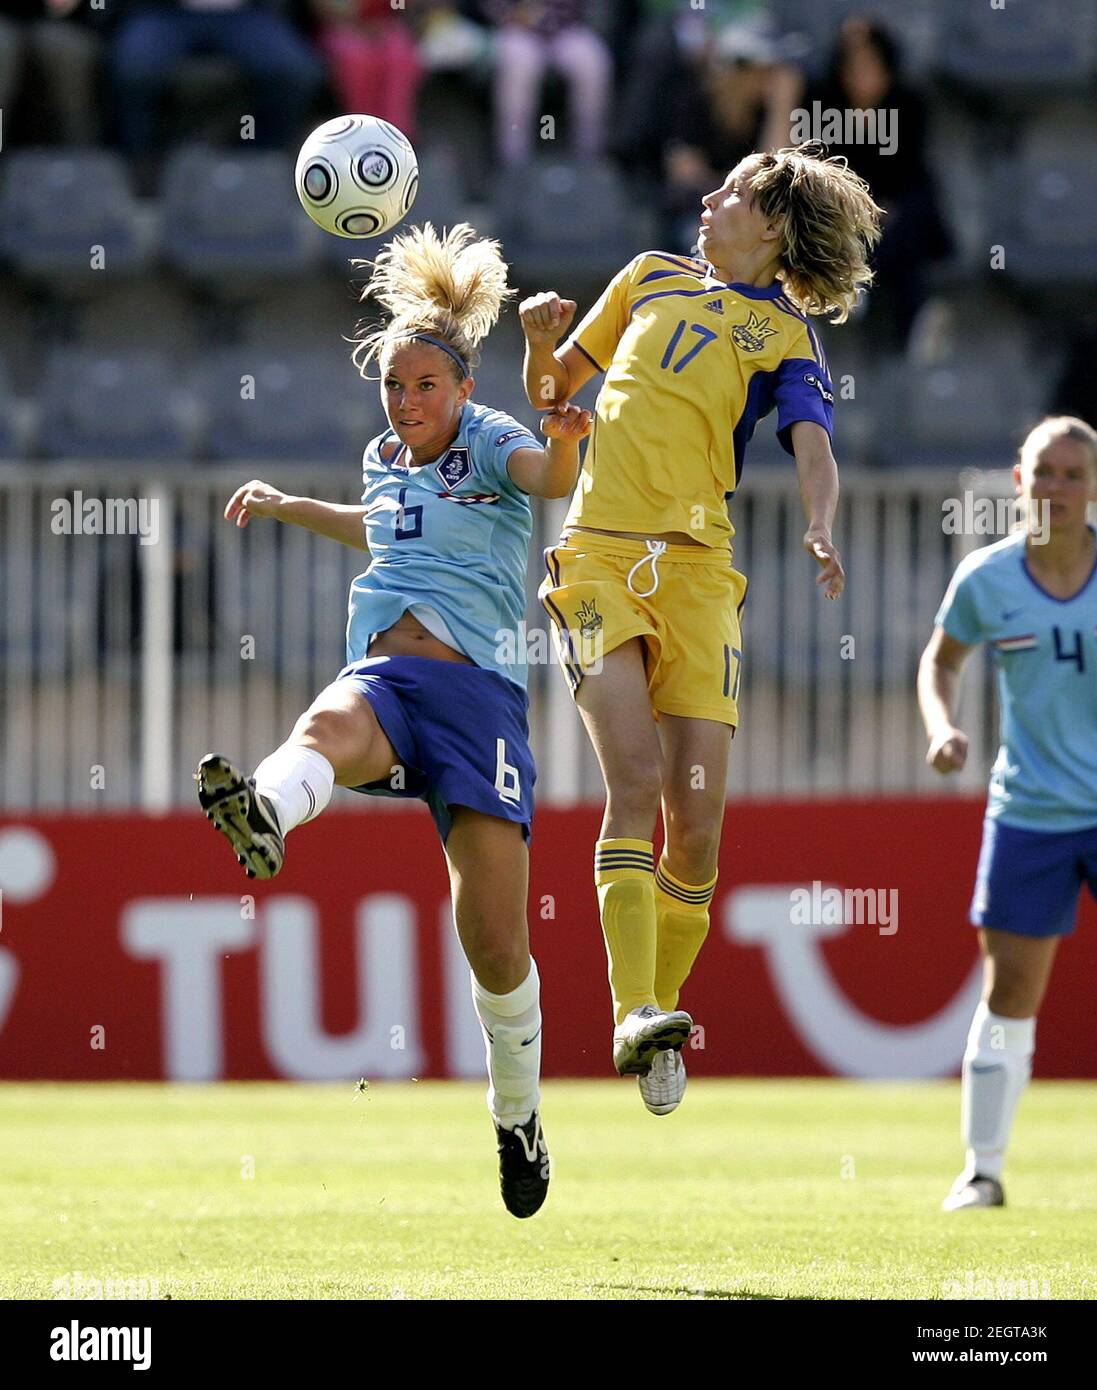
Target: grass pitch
754	1190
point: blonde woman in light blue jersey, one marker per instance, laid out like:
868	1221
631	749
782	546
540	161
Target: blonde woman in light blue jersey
431	704
1036	604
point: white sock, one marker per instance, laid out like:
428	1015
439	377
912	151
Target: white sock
514	1070
298	782
997	1066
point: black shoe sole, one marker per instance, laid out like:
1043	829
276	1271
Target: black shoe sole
228	799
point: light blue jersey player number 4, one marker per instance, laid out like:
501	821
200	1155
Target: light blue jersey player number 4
1045	776
449	542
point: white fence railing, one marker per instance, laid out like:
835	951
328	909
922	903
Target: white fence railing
122	662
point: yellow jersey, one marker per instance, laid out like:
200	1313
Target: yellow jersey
691	365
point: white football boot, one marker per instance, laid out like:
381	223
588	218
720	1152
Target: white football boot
645	1032
665	1085
977	1191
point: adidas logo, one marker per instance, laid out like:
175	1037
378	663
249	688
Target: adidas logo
716	305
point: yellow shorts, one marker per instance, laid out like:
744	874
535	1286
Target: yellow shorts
685	603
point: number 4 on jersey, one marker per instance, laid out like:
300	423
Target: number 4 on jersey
1075	654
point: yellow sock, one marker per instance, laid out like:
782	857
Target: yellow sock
624	878
682	921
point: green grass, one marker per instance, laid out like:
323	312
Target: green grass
755	1189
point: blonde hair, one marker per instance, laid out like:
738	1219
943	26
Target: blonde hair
450	287
828	224
1054	427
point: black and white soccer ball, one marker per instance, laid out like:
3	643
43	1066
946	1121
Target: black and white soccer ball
357	176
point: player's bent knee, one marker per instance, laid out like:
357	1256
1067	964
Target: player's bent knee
343	736
500	965
635	789
693	843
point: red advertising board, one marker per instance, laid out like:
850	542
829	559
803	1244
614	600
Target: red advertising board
133	947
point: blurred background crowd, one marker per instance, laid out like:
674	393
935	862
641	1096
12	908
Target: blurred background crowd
580	131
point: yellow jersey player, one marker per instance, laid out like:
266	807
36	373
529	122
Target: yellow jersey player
641	587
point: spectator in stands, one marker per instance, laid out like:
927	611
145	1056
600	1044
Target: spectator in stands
58	50
530	36
662	46
740	103
155	36
371	52
865	76
450	39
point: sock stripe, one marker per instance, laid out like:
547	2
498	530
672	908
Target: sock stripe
611	862
674	889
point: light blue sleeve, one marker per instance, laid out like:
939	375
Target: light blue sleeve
498	436
959	610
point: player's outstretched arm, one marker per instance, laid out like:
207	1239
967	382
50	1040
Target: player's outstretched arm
938	683
818	475
550	377
332	519
553	470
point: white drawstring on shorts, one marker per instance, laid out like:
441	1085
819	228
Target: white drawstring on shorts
655	550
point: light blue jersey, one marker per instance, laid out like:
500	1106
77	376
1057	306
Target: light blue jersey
453	536
1045	776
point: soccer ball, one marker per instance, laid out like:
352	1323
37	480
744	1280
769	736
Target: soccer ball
357	176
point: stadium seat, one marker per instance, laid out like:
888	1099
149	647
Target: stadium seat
807	29
1047	234
958	157
151	311
1019	49
560	218
101	404
232	220
858	400
967	403
309	407
57	206
8	441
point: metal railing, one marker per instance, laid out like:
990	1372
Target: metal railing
122	662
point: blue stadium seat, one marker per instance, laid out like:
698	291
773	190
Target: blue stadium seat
807	30
968	405
1033	46
1046	232
232	219
564	218
149	311
265	404
101	404
8	442
57	205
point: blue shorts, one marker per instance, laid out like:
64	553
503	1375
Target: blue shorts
460	732
1028	881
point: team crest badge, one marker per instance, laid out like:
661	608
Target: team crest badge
455	467
751	336
590	620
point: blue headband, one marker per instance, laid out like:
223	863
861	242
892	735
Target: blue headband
438	343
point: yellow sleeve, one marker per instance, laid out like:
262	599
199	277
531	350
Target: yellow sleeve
601	330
